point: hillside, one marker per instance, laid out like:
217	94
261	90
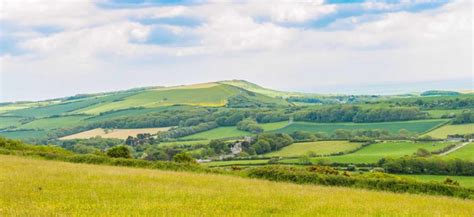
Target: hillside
49	188
213	94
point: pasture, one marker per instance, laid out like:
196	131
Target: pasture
464	181
218	133
67	106
24	134
6	122
48	188
418	126
375	152
54	123
179	143
439	113
273	126
320	148
236	162
446	130
114	133
465	153
209	96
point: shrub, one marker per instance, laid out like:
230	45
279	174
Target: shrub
433	166
184	158
421	152
120	151
449	181
374	181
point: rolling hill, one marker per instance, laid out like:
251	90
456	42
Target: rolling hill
213	94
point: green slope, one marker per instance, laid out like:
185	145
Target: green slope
67	106
209	94
47	188
375	152
258	89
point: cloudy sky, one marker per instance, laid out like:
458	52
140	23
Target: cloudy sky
53	48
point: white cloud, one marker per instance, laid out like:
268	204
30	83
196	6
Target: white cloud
99	49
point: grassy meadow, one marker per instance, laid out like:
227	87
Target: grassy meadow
6	122
54	123
446	130
465	153
48	188
218	133
321	148
464	181
273	126
24	134
375	152
418	126
439	113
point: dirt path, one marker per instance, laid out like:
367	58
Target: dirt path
454	149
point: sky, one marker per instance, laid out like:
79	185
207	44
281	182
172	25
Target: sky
56	48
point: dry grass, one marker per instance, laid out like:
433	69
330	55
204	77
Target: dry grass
446	130
46	188
114	133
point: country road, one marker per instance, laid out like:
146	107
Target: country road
454	149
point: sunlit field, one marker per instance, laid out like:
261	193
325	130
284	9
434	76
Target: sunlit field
48	188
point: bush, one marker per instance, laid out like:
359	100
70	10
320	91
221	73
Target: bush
120	151
432	166
184	158
375	181
249	125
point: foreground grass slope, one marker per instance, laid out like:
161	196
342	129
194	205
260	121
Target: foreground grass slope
47	188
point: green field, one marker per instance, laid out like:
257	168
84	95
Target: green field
26	134
210	96
23	105
465	153
418	126
447	112
375	152
236	162
48	188
132	112
321	148
273	126
178	143
218	133
6	122
446	130
67	106
54	123
464	181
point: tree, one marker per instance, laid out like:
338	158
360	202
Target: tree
421	152
184	157
120	151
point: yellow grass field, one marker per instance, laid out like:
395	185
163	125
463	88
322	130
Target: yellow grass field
114	133
446	130
31	187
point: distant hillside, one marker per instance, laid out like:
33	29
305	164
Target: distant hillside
258	89
214	94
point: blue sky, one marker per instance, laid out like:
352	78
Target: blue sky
100	45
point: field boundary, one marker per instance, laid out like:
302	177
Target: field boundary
436	127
